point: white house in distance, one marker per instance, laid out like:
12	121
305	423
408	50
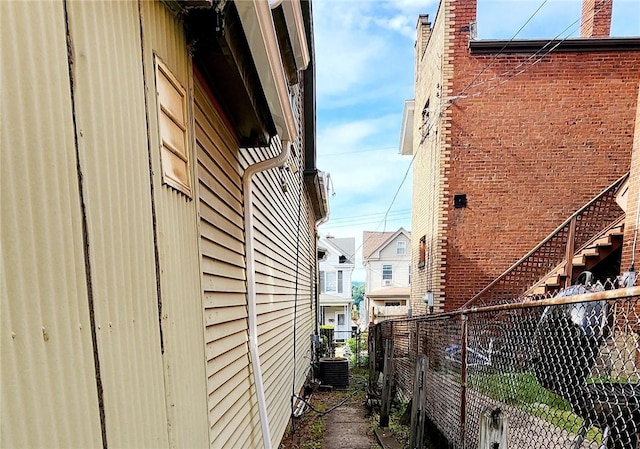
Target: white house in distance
336	267
386	258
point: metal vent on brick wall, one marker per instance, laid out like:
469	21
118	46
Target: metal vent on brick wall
334	371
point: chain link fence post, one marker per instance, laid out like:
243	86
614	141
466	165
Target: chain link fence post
416	438
387	384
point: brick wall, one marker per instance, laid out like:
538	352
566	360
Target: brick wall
596	18
432	81
527	152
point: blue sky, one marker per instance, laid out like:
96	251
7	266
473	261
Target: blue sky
365	72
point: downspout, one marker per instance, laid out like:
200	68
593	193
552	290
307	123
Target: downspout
316	280
277	161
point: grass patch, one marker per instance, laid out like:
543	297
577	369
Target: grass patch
400	431
516	389
522	390
316	430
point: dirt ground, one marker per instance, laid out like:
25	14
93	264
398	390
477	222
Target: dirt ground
347	426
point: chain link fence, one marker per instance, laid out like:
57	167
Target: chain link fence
557	372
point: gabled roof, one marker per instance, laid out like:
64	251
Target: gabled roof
347	246
371	241
343	246
375	241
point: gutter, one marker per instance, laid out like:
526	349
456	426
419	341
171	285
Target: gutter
256	20
252	318
591	44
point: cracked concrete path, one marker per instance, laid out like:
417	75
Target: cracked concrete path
348	428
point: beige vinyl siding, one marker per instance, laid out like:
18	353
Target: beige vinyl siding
232	419
113	148
47	377
178	251
276	222
233	409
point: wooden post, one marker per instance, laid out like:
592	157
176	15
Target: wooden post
493	429
418	404
373	378
571	242
385	405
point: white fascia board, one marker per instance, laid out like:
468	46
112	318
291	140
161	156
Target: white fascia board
257	23
295	25
406	132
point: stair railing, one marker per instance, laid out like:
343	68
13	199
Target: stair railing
576	231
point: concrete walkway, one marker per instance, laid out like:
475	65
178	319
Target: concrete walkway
349	428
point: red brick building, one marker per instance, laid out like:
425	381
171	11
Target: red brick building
509	138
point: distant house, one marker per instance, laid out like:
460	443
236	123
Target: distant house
336	268
387	261
159	201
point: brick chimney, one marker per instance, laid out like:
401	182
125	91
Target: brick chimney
423	32
596	18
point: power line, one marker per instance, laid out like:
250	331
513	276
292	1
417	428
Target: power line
550	42
346	225
503	48
367	216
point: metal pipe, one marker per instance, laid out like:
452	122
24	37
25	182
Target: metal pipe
252	318
584	297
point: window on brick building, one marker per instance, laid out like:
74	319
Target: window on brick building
426	122
422	251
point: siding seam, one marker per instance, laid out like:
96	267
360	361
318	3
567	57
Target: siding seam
85	233
154	225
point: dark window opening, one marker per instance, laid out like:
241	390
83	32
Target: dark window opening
423	251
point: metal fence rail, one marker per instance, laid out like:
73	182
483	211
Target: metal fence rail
562	372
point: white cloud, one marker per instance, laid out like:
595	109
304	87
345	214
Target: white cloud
360	43
364	56
402	24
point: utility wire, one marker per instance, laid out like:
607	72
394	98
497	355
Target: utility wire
569	28
350	217
449	103
359	151
370	221
295	299
502	49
